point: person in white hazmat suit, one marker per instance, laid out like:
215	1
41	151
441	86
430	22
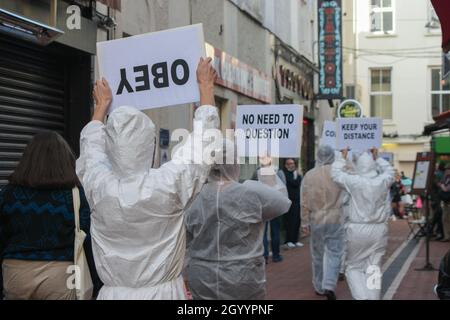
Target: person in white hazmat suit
225	226
368	213
322	214
138	235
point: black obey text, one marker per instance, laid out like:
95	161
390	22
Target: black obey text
160	73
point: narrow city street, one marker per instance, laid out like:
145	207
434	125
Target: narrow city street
156	150
291	279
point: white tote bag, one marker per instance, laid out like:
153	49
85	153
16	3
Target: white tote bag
83	282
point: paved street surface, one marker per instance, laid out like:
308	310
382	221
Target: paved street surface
291	279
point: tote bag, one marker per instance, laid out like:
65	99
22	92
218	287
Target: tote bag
84	286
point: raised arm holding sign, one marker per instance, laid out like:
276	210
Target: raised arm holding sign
141	205
359	134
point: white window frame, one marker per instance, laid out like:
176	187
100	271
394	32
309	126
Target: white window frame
380	11
381	93
436	92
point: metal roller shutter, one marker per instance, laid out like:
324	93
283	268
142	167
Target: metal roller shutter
32	99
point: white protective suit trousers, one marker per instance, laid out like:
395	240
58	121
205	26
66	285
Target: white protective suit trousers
327	242
366	245
171	290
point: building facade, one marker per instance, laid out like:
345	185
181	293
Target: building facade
45	74
392	65
268	45
265	52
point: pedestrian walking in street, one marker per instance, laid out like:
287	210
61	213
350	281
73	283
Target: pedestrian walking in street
225	225
369	210
322	205
445	196
436	224
37	223
138	231
397	191
293	181
267	174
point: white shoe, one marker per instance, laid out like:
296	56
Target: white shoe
299	244
290	245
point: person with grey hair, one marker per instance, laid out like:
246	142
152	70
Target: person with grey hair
322	216
225	225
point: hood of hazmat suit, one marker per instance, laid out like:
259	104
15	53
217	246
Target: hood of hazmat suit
368	211
225	226
322	199
138	237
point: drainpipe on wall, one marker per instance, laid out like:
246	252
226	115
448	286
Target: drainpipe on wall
53	13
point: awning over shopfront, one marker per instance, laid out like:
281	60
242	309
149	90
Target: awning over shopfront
442	122
442	8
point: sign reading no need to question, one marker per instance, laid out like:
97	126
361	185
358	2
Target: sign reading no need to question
359	133
153	70
273	130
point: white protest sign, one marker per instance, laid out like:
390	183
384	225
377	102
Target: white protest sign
329	134
155	69
359	134
274	130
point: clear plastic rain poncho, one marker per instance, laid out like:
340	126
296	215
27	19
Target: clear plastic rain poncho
138	236
322	208
225	226
321	197
368	212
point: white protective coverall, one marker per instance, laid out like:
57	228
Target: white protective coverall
225	226
137	229
368	213
322	209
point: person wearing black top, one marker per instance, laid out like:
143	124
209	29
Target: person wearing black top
37	223
292	217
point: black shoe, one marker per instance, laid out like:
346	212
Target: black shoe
266	259
277	259
341	276
330	295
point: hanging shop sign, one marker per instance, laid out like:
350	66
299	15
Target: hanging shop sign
292	83
350	109
330	49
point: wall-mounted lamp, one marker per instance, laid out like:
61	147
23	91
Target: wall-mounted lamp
26	29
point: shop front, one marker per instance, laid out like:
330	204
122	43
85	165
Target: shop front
45	75
294	81
238	84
